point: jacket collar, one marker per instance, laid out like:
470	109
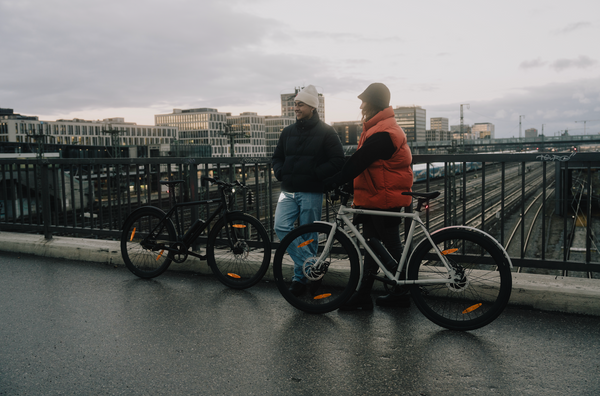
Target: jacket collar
382	115
310	123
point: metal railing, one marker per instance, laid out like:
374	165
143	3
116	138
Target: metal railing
92	197
494	192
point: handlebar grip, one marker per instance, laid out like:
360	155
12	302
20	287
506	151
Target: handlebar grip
205	179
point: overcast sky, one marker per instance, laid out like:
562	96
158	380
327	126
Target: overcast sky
137	58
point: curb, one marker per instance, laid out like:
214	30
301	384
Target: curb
542	292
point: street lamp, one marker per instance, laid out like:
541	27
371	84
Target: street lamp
230	132
39	137
115	140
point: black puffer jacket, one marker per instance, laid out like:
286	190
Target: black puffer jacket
308	152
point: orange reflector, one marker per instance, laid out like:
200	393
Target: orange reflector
306	243
132	234
322	296
448	251
472	308
238	225
160	254
236	276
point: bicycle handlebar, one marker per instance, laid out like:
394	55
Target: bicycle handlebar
222	183
422	198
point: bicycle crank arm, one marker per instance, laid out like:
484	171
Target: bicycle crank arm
200	256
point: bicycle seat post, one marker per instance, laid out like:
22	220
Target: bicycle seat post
172	200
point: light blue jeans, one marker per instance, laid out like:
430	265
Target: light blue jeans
306	207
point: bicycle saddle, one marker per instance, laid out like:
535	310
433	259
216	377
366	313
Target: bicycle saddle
427	195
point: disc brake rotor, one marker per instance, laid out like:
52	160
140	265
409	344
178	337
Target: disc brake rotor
314	272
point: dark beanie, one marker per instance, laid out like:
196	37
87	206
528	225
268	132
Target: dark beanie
376	94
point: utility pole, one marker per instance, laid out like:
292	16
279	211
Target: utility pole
115	141
116	145
542	135
39	137
232	134
41	181
584	122
462	133
520	136
451	177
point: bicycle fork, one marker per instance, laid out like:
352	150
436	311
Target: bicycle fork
320	267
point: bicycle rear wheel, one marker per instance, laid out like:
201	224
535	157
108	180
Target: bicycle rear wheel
143	242
483	290
238	250
330	285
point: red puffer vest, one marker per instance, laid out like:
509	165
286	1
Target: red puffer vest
381	185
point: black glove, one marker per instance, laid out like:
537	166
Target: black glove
331	183
348	187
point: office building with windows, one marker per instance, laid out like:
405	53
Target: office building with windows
213	130
439	124
348	131
199	127
466	131
273	127
107	132
413	120
437	135
248	130
483	130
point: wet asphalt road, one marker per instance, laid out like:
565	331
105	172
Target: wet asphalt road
90	329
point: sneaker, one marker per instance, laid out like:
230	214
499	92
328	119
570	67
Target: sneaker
313	287
394	300
358	301
297	288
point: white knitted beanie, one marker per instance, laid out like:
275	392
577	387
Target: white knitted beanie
309	96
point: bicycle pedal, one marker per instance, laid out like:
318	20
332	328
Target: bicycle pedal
202	257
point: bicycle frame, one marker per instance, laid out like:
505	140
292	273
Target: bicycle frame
393	279
199	225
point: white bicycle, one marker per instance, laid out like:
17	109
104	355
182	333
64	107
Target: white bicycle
459	277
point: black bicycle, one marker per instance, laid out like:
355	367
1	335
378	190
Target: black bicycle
238	248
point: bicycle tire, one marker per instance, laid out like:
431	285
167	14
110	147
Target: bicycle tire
484	289
243	262
325	291
147	260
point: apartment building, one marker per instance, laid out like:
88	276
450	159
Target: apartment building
23	129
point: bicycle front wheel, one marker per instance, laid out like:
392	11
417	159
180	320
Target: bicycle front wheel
329	283
238	250
143	240
482	288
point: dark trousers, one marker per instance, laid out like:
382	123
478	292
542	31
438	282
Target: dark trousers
388	232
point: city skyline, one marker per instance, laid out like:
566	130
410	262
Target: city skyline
132	59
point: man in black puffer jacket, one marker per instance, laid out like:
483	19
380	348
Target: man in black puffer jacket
307	153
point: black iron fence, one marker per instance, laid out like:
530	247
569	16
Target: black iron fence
540	206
